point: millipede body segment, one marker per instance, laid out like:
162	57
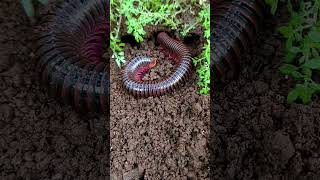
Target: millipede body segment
70	54
135	69
234	26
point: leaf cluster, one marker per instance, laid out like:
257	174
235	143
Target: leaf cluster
136	15
203	61
302	59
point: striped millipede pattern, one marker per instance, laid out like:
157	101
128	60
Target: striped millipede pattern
136	68
235	24
70	54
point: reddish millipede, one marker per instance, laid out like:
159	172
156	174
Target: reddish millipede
135	70
70	54
235	25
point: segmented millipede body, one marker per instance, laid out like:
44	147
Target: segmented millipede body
135	69
235	25
70	54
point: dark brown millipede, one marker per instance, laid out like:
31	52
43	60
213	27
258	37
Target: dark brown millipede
234	26
70	54
135	69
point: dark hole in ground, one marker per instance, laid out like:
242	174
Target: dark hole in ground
192	40
130	40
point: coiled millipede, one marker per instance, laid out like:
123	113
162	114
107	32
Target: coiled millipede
234	26
135	69
70	54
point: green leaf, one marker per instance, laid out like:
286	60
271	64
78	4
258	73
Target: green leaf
314	52
296	75
286	31
290	57
293	96
301	91
273	4
307	73
315	87
204	90
43	2
289	42
314	36
287	69
313	64
291	70
28	7
306	95
295	50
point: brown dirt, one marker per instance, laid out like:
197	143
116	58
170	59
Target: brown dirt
255	133
158	138
39	137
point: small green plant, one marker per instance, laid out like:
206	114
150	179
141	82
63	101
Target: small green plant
202	62
28	6
273	4
115	44
136	15
302	60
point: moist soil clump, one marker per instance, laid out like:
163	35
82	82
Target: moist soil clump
39	137
255	133
158	137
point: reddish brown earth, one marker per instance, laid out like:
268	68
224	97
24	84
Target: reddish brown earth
255	133
158	138
39	137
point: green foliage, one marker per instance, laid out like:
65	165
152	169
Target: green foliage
137	14
28	6
203	61
273	4
115	44
302	59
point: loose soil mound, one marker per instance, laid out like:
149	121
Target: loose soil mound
158	138
255	133
39	137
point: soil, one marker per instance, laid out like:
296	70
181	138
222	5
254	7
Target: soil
39	137
255	133
158	138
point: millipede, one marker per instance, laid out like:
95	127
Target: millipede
235	25
70	54
136	68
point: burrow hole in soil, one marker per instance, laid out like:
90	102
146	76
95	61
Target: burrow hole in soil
129	39
192	41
